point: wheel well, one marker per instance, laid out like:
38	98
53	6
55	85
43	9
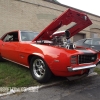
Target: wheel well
32	56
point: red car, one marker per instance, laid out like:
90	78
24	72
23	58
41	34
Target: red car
49	52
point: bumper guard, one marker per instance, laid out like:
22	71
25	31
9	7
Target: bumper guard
70	69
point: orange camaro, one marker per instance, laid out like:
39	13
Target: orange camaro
49	52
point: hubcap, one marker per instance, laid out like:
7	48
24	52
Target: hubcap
39	68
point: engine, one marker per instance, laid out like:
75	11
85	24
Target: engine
61	41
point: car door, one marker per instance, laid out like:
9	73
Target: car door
10	46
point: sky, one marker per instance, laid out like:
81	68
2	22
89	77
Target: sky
91	6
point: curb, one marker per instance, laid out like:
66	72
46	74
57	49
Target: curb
92	74
29	89
51	84
36	88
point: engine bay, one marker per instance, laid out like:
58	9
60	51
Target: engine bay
61	39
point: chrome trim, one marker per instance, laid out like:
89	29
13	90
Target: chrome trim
80	68
15	62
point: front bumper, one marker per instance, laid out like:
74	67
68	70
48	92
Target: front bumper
70	69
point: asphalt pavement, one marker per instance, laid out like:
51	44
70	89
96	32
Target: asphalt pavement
84	89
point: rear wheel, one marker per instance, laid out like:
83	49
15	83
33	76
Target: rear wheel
39	70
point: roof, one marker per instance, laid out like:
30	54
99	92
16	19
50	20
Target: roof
58	3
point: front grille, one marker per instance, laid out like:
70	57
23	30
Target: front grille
87	58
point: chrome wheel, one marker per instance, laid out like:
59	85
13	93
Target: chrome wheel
39	68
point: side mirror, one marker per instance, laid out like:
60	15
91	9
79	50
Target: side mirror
67	34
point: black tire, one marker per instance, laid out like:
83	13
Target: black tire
40	70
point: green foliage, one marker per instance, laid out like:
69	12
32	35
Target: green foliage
13	75
97	70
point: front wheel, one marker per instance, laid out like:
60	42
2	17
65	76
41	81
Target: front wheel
39	70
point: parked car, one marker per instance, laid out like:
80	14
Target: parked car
93	43
48	52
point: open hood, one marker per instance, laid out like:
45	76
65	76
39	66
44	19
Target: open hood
80	19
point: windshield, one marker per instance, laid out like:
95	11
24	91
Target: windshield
28	36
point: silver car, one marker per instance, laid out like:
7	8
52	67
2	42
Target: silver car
93	43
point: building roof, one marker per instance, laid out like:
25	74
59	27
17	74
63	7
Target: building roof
58	3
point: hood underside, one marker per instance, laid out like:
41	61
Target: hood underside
81	20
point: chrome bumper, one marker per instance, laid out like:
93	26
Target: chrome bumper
80	68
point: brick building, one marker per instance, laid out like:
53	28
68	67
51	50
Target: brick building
35	15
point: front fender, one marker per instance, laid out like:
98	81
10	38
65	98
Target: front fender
38	54
55	57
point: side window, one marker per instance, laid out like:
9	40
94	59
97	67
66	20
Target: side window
11	37
96	41
88	41
6	38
